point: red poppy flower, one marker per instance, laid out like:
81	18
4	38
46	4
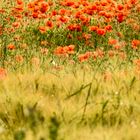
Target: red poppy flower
11	47
101	32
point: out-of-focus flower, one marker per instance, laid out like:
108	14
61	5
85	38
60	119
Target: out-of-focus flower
3	73
42	29
19	58
93	28
112	41
16	24
44	51
35	61
11	47
101	32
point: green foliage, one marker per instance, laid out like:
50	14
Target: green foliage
54	128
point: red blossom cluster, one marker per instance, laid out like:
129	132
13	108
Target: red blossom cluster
94	24
93	55
64	50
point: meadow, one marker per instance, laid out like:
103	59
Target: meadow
69	69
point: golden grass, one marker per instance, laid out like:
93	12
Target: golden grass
112	109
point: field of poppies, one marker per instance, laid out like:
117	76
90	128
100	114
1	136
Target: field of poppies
69	69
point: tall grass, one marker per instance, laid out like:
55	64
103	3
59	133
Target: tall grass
63	105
